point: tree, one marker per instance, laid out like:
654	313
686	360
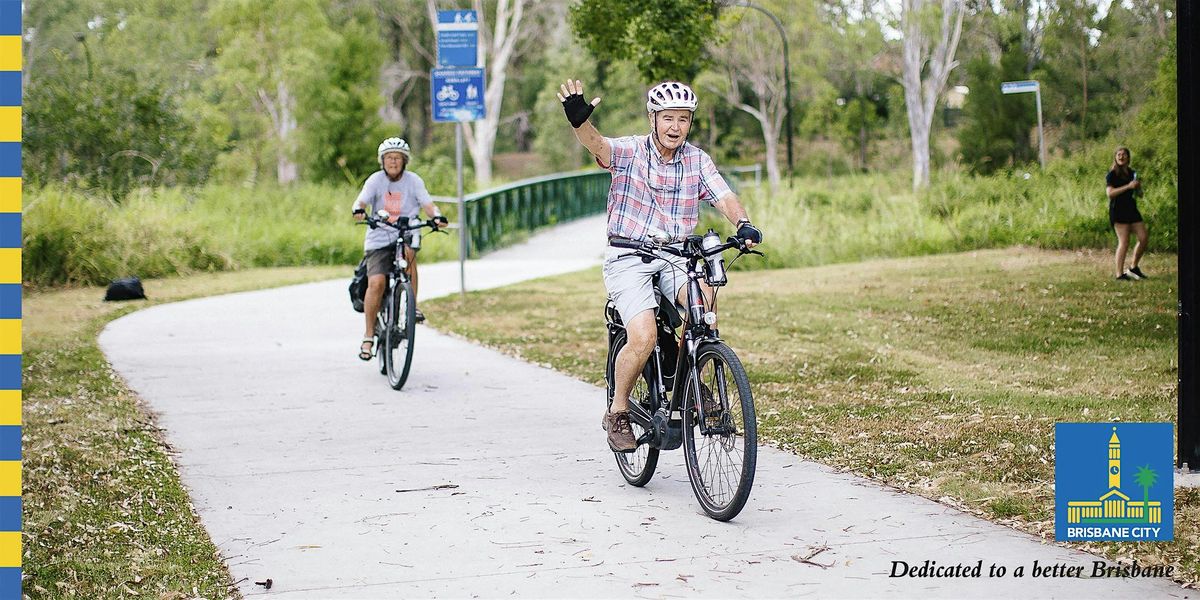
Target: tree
268	49
753	80
665	39
342	108
996	132
931	32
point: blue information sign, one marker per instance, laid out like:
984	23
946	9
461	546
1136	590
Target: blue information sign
457	94
457	38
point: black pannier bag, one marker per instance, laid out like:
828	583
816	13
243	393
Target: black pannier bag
358	286
128	288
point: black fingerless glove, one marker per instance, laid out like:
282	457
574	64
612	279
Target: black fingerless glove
440	220
578	110
750	233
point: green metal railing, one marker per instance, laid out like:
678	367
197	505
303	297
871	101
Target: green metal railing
495	215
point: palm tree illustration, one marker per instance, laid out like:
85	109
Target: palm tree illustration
1145	478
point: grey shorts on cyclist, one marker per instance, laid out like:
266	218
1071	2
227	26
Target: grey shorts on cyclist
379	260
628	280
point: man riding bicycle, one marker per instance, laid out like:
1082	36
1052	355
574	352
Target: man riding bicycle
657	183
401	193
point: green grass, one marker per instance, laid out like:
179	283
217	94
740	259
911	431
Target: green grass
105	514
942	375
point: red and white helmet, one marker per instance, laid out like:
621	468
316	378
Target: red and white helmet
394	144
670	95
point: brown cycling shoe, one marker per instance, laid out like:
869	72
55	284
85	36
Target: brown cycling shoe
620	434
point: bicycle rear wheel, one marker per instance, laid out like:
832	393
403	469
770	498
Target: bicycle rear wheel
720	462
636	467
399	338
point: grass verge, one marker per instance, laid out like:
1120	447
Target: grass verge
942	376
105	514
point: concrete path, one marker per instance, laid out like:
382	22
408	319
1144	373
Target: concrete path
489	477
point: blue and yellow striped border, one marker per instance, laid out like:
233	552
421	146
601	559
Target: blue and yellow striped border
10	299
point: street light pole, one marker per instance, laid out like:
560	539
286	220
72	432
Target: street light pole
787	74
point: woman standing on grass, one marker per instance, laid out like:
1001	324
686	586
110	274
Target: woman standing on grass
1123	214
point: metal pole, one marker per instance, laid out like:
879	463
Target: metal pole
1187	24
463	230
1041	140
787	77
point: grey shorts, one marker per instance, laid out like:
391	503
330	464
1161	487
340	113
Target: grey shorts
628	280
379	260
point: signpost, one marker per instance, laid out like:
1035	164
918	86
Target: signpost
1021	87
457	95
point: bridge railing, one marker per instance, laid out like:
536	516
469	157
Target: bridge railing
498	214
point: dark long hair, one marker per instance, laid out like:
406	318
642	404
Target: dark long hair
1123	170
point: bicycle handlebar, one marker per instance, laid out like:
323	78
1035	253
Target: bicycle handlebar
400	225
650	247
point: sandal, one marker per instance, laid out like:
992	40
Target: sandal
365	352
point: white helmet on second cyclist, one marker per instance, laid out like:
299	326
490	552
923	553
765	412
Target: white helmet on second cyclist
670	95
395	144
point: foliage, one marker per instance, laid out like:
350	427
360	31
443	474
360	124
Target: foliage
997	129
162	232
341	109
665	39
111	132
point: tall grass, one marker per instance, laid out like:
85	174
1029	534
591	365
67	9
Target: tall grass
858	217
72	237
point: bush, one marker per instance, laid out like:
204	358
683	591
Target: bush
72	237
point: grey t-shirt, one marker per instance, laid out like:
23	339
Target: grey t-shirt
402	198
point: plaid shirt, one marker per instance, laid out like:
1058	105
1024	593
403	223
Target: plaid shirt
649	196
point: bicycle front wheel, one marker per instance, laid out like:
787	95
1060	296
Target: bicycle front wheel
399	338
720	437
636	467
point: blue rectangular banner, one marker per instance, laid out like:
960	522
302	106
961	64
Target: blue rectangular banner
457	94
1114	482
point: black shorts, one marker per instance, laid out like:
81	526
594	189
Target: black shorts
1123	210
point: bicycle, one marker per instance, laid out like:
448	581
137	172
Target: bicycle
693	391
395	325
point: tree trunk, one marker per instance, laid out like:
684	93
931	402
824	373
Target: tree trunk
923	86
286	169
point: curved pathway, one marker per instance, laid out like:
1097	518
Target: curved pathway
487	476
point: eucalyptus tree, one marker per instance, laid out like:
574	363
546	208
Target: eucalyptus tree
931	30
267	51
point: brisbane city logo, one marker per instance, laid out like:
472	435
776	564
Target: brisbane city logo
1113	482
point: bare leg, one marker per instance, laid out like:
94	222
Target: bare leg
1143	236
682	297
1122	230
641	335
410	255
374	298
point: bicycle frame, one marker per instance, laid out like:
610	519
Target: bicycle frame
664	424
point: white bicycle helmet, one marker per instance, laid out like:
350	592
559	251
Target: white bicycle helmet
394	144
670	95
